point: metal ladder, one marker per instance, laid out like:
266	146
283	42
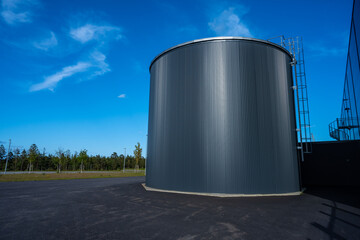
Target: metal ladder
303	102
295	46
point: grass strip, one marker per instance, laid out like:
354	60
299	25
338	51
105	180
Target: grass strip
63	176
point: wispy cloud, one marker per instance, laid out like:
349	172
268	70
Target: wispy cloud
51	81
90	32
98	63
228	23
94	66
323	51
17	11
47	43
122	96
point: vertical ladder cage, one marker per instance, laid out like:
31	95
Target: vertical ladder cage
295	46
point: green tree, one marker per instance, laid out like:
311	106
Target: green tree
61	159
137	155
2	157
67	160
83	158
55	161
42	162
142	163
33	156
114	162
74	160
2	152
16	159
10	160
23	158
122	161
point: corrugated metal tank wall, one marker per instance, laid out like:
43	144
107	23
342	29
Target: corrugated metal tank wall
222	118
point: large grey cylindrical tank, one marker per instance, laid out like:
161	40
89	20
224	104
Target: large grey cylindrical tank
222	118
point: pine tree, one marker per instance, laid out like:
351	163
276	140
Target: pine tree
137	154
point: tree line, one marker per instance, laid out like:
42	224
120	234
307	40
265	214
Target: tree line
35	160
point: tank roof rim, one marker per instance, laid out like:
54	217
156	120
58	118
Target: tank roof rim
216	39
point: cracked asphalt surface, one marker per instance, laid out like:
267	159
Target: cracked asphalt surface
120	208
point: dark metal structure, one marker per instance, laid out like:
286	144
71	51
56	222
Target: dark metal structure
347	127
222	118
333	163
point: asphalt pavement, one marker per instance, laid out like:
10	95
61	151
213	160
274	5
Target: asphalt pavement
120	208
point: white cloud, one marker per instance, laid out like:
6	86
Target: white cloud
98	61
47	43
51	81
94	66
230	24
12	18
89	66
122	95
90	32
17	11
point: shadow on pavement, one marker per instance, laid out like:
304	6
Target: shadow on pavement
339	209
345	195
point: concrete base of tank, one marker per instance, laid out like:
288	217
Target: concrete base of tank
224	194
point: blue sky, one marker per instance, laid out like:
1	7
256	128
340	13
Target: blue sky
74	74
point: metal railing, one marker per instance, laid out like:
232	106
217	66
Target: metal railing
347	123
339	128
